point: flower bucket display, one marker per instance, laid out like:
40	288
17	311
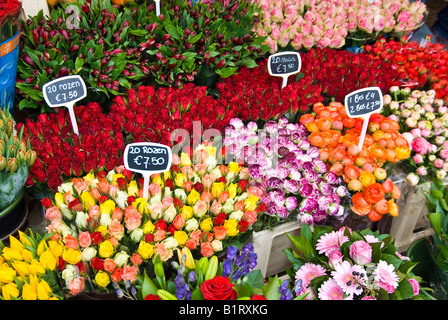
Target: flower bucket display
9	51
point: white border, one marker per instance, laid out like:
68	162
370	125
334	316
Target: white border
147	144
365	115
44	91
281	54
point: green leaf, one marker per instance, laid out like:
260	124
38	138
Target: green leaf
172	30
226	72
437	194
302	245
270	290
435	219
148	286
255	279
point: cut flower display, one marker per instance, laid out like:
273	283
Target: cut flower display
61	154
364	171
112	230
350	265
424	123
296	183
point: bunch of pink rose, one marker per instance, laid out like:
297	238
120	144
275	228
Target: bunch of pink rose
326	23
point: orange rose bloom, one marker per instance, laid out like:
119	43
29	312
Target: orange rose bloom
388	184
382	206
374	193
374	216
396	192
351	172
306	118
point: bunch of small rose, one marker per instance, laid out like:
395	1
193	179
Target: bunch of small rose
233	278
287	167
350	265
424	123
28	268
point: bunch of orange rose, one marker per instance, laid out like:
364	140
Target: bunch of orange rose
337	137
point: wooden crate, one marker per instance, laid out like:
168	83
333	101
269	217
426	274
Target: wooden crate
269	246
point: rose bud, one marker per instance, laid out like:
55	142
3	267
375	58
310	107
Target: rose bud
221	64
2	162
30	157
12	165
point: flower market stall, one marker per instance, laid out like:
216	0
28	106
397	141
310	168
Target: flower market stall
223	150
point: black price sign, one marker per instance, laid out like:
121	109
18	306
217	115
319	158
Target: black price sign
284	64
363	102
65	90
145	157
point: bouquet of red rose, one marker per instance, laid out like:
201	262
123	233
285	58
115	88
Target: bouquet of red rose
62	154
340	72
9	8
422	66
150	114
253	94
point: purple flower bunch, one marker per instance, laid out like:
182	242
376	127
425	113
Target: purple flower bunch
239	263
282	162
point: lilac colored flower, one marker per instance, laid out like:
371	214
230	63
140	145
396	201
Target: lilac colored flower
295	174
306	189
308	165
282	172
255	171
320	217
271	127
192	276
274	183
304	144
284	290
305	218
331	177
326	188
313	152
308	205
291	186
283	212
291	203
320	166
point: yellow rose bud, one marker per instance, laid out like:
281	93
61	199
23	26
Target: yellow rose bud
103	230
23	239
250	204
145	250
181	237
185	159
33	281
43	290
148	227
217	189
231	226
102	279
193	197
366	178
232	189
234	167
206	225
166	175
10	291
87	200
106	249
59	199
133	188
187	212
159	181
107	206
7	274
89	177
48	260
28	292
141	205
179	180
72	256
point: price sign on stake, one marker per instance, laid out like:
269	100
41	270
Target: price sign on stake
361	104
147	158
284	64
65	91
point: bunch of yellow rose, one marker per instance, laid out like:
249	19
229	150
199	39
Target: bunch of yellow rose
110	230
28	269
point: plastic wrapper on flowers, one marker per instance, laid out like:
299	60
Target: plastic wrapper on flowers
336	135
351	265
29	268
339	72
301	25
61	154
421	65
233	278
424	123
296	183
110	231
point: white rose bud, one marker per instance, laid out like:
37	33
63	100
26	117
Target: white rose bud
137	235
440	174
191	225
121	258
170	243
180	194
236	215
216	245
105	219
81	220
169	214
88	253
70	272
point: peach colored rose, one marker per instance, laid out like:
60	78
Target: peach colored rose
133	219
81	185
84	239
250	216
154	189
191	244
116	228
166	202
95	193
196	235
117	214
55	226
68	197
103	186
187	185
220	232
239	205
159	235
255	191
206	249
208	180
76	286
136	259
71	242
216	208
206	196
109	265
223	197
155	210
94	212
117	274
178	221
53	213
113	189
114	241
162	251
200	208
130	273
